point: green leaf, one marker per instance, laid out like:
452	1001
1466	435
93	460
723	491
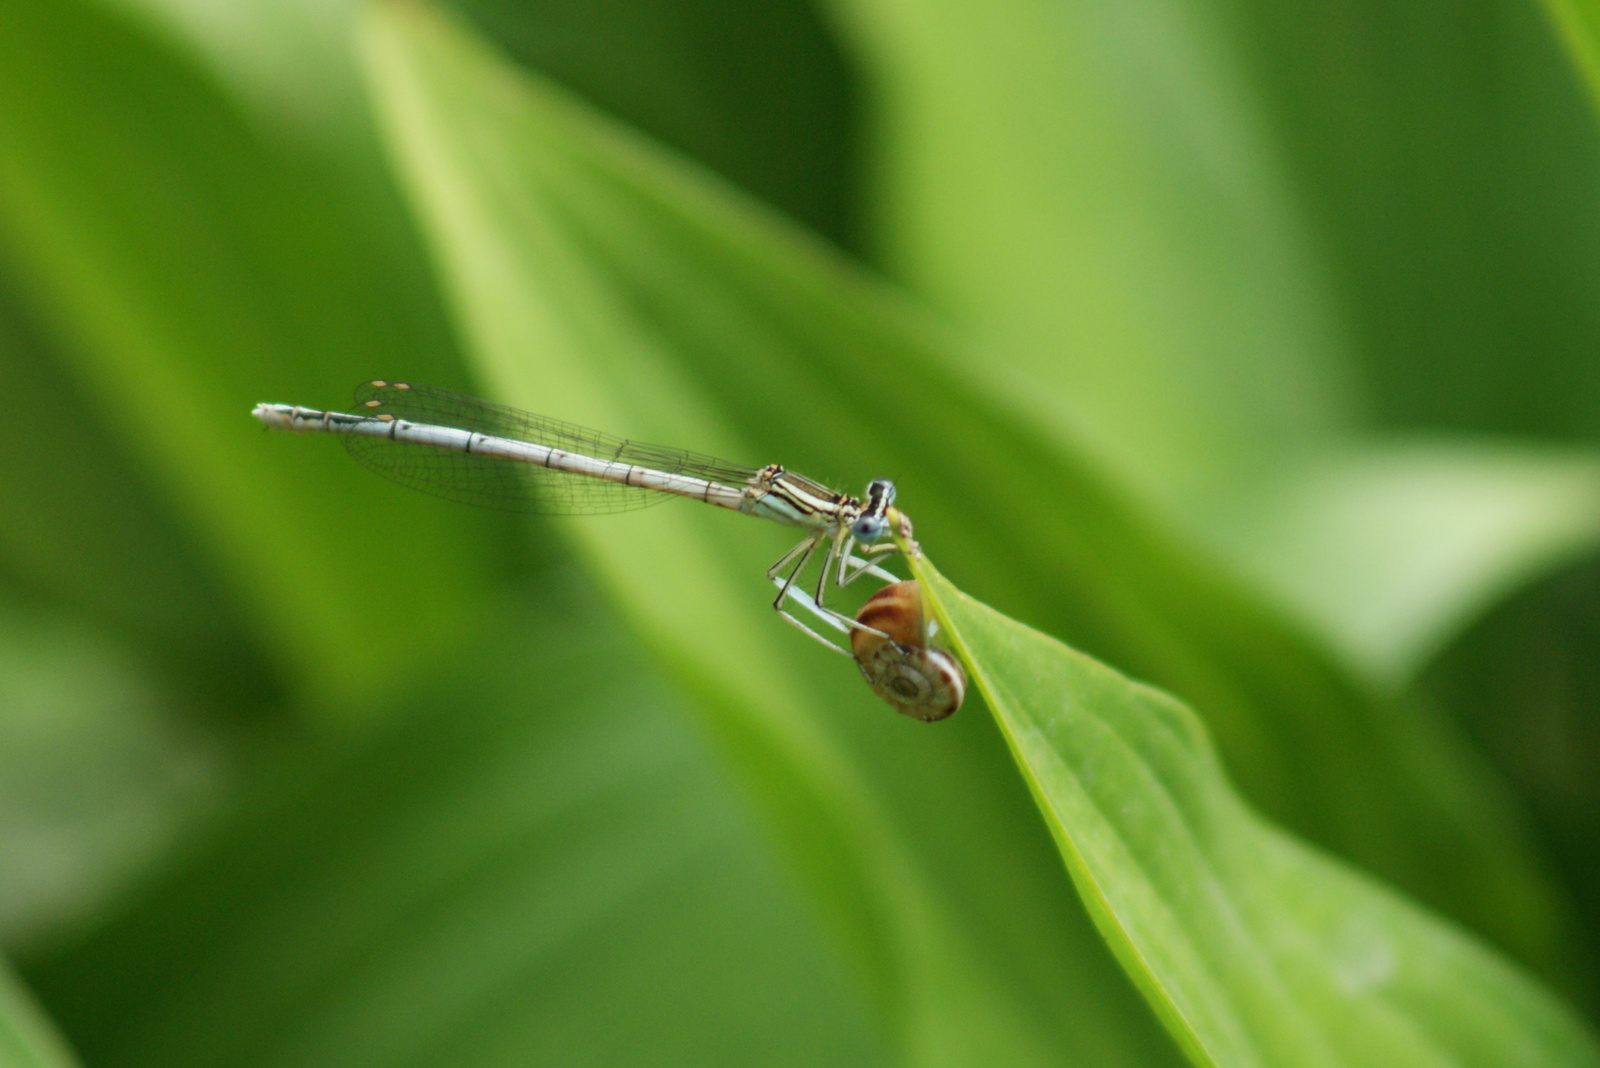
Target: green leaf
533	860
27	1039
598	281
1252	948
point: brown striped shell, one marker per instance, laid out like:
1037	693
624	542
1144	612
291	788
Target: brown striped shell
914	676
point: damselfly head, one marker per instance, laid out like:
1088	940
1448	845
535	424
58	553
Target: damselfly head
873	523
902	665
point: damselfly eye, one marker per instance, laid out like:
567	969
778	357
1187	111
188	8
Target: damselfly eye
916	678
870	527
874	521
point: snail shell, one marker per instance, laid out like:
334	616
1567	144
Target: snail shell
905	669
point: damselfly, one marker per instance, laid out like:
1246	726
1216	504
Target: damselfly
470	450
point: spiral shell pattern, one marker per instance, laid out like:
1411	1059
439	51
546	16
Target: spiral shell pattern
916	678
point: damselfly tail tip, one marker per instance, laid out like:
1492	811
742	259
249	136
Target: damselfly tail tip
275	415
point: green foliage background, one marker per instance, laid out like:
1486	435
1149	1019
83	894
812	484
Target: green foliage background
1248	348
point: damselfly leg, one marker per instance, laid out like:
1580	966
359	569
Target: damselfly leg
848	575
836	560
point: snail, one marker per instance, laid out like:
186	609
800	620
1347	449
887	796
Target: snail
916	678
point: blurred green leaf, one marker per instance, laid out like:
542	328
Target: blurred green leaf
1390	547
99	774
1092	191
1253	949
1105	198
757	92
1448	157
81	526
534	862
598	281
27	1039
1525	681
287	66
1579	24
188	270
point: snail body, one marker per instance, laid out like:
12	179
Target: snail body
902	665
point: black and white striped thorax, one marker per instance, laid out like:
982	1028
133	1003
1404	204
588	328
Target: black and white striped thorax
796	500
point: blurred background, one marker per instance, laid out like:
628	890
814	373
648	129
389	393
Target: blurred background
1250	347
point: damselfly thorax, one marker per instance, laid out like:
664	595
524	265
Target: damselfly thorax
464	449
